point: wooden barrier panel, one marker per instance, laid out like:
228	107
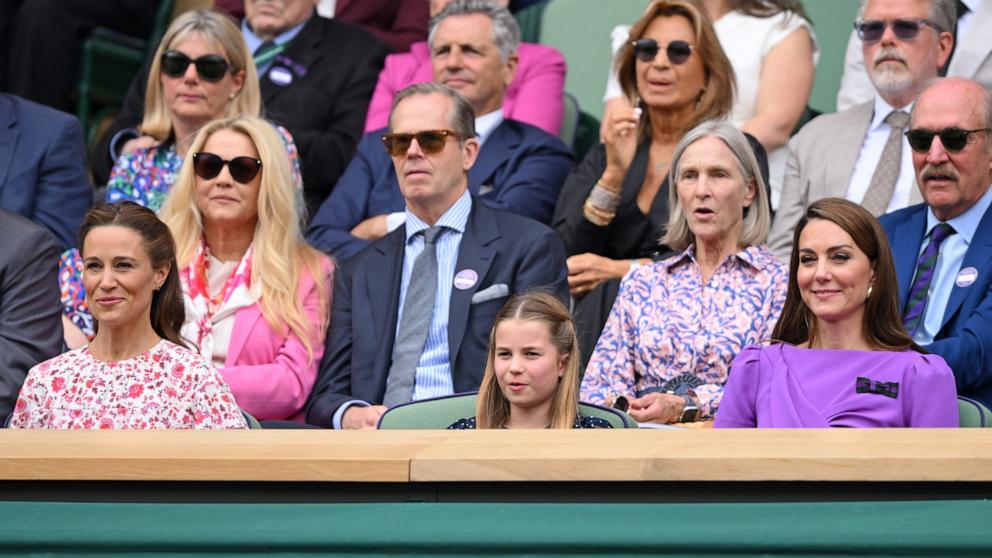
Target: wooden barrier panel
400	456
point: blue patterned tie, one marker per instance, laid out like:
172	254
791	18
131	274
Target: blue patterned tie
919	292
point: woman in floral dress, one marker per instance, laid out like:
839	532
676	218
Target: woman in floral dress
137	373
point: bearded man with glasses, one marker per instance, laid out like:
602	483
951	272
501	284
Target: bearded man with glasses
861	153
412	312
943	247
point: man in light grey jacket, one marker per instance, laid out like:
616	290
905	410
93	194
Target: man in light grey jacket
861	153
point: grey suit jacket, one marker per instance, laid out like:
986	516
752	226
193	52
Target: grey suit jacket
972	59
30	311
821	161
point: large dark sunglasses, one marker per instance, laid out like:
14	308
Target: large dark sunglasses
210	67
242	169
953	139
646	49
905	28
430	141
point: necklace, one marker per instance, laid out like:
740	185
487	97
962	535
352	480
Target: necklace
660	165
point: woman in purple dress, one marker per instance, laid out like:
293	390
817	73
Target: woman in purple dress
840	355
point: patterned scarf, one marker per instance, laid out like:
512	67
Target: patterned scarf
202	309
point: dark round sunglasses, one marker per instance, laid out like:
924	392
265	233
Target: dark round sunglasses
953	139
904	28
430	141
210	67
242	169
647	49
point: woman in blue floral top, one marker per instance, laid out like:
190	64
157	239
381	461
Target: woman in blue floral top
201	71
677	324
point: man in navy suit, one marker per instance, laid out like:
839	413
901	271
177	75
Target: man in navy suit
943	247
42	167
520	168
478	257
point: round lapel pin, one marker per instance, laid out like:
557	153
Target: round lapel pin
466	279
280	76
966	277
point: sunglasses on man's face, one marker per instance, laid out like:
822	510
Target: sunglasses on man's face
906	29
430	141
242	169
953	139
647	49
210	67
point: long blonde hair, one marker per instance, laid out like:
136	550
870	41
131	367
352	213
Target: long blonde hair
493	409
213	27
278	245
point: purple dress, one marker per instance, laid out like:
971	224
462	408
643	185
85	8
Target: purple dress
782	386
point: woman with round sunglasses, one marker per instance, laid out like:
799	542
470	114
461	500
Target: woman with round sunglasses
138	373
201	71
257	295
614	206
773	50
839	356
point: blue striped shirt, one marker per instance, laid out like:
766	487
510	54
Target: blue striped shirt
433	375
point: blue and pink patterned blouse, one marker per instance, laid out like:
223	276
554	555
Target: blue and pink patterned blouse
666	323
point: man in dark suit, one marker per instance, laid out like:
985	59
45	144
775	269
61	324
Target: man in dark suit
943	247
42	167
316	79
412	312
30	312
520	168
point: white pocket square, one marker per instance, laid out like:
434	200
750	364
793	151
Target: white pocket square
499	290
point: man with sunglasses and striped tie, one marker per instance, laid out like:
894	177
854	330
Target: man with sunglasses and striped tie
861	153
412	312
943	247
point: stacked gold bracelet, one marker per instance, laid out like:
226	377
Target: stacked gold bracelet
601	206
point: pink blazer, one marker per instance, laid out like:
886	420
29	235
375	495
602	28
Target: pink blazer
268	371
534	96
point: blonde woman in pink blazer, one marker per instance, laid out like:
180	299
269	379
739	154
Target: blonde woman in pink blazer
257	295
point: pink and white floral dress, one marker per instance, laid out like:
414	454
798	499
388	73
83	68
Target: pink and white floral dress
167	386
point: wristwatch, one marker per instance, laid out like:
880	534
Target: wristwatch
690	410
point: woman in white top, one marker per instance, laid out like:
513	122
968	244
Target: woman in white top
772	48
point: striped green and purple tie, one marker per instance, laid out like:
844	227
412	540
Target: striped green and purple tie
918	293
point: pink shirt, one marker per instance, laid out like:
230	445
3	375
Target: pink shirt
534	96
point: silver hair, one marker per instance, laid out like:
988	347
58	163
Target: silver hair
506	31
942	12
462	117
757	217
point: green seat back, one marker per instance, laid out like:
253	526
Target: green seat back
569	120
833	21
529	20
973	414
441	412
580	29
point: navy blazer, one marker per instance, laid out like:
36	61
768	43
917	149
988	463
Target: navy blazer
965	336
42	167
499	246
520	168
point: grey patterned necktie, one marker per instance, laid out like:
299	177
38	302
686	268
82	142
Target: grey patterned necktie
418	309
883	182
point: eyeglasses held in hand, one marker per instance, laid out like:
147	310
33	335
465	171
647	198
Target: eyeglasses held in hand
210	67
904	28
242	169
953	139
430	141
647	49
